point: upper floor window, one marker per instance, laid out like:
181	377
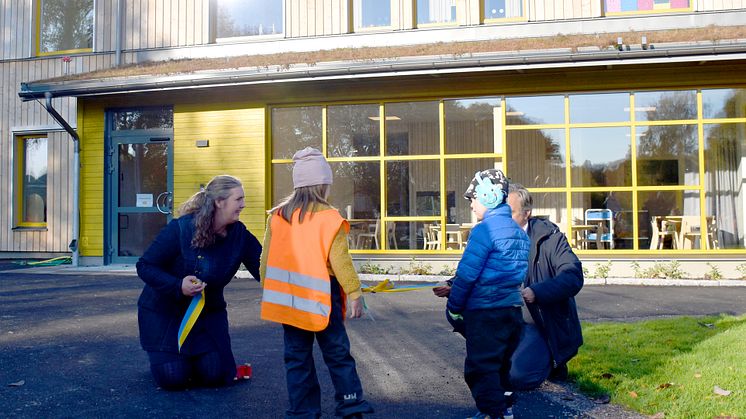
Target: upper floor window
371	13
248	18
632	6
436	11
64	26
502	9
31	181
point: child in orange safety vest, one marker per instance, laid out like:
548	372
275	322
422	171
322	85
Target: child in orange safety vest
307	276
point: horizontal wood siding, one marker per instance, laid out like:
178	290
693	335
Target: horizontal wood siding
236	137
91	131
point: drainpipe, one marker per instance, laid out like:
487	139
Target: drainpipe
118	42
76	171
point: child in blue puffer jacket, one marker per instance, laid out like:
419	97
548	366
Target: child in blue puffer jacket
484	298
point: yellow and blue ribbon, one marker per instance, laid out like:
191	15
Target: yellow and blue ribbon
191	316
388	286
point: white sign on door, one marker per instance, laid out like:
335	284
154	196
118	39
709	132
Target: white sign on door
144	200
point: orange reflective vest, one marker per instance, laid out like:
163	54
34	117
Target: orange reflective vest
297	289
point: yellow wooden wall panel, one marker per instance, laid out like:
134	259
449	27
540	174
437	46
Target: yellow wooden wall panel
236	137
91	131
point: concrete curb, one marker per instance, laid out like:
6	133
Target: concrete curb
651	282
589	281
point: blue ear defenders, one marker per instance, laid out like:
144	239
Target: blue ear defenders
487	193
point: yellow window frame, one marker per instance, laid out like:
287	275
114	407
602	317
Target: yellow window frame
20	168
648	12
37	28
522	18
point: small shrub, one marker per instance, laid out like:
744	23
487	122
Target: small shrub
448	270
417	268
639	272
673	270
372	268
657	270
602	270
714	272
742	270
586	273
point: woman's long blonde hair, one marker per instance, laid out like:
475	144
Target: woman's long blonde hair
304	198
202	205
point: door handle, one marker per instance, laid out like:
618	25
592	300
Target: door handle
165	207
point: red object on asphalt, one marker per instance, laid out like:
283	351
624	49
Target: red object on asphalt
243	372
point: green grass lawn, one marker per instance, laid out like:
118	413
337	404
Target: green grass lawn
670	366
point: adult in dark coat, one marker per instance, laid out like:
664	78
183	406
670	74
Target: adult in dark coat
552	334
200	251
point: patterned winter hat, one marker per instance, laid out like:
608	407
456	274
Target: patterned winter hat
496	176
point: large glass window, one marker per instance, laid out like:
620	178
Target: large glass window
436	11
248	18
65	25
501	9
613	177
31	184
371	13
645	6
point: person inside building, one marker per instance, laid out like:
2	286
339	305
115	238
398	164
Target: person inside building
484	298
552	334
309	280
181	311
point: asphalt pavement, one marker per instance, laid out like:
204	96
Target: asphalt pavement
69	348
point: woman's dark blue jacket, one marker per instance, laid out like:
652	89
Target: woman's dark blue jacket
555	275
490	272
167	261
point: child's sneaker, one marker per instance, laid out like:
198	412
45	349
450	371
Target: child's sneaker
508	413
479	415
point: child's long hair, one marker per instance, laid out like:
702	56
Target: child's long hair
202	205
304	198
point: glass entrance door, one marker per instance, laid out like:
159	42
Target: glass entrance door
142	192
139	185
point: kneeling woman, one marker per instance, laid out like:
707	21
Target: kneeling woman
195	255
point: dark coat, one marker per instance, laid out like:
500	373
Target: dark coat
167	261
493	265
555	275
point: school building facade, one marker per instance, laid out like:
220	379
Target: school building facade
625	119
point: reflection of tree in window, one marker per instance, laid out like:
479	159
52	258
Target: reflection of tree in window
672	139
353	130
294	129
665	150
248	18
35	180
66	25
144	119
